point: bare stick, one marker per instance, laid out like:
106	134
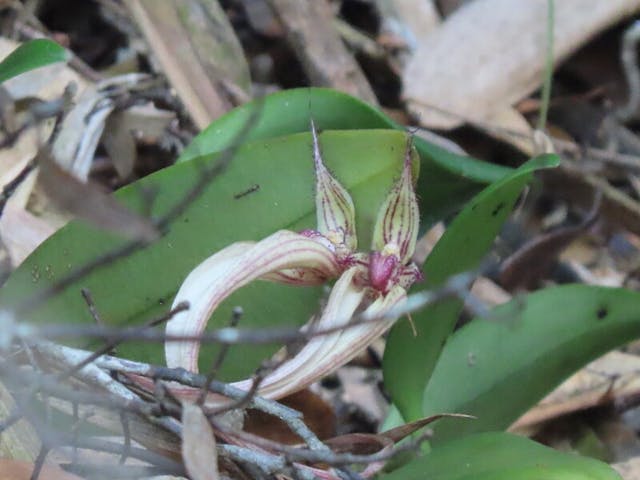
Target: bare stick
630	63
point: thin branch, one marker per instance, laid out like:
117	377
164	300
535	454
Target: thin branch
236	315
456	286
113	342
291	417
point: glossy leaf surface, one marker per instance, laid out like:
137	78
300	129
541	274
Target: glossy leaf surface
267	186
501	456
447	181
409	359
499	367
31	55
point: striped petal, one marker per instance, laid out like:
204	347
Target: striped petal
232	268
336	218
396	229
326	353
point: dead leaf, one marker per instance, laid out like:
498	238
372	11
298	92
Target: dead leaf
21	232
403	431
316	42
20	441
531	262
629	470
143	122
317	414
198	444
44	83
198	51
84	124
611	378
489	54
17	470
368	443
411	20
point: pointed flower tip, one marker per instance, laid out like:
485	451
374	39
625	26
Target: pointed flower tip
334	207
398	218
408	158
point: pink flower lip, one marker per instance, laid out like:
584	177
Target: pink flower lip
382	270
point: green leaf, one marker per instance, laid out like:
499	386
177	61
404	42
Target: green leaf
142	285
497	368
501	456
410	358
31	55
448	180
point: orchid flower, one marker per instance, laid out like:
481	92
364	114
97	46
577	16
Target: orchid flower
370	283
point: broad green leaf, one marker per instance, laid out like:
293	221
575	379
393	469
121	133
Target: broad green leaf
497	368
501	456
410	358
31	55
448	180
143	285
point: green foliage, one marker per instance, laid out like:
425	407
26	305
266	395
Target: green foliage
504	364
500	456
31	55
447	180
464	244
492	368
142	285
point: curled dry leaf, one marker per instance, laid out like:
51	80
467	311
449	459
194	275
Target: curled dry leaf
370	443
198	444
83	126
463	70
528	265
145	122
609	380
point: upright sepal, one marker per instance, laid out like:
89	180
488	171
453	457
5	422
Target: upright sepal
336	217
396	228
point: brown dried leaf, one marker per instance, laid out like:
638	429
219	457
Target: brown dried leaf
403	431
322	53
17	470
532	261
120	145
198	444
317	414
143	122
611	379
20	442
411	20
87	202
359	443
198	51
462	69
368	443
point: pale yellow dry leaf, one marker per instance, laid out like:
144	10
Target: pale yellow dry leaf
610	378
491	53
198	444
